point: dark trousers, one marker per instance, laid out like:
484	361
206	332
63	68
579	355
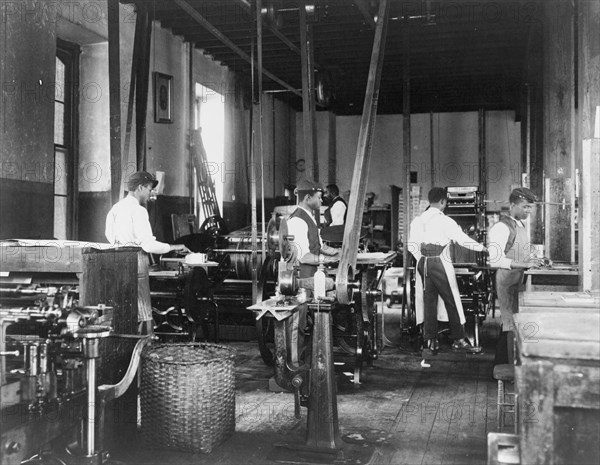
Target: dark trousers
435	284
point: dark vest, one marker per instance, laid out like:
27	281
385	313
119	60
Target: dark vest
314	245
327	213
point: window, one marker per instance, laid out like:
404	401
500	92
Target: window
65	137
209	111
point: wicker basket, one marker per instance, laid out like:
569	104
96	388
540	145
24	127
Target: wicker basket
187	396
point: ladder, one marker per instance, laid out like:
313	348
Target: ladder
206	185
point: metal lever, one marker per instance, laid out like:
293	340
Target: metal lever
296	383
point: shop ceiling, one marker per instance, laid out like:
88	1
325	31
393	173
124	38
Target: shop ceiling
463	55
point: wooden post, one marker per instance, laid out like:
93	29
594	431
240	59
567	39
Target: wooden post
114	84
559	119
482	152
406	142
308	92
362	160
589	120
142	63
589	232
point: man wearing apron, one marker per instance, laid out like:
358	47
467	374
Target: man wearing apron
128	225
430	237
308	251
510	252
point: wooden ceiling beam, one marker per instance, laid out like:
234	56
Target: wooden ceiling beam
184	4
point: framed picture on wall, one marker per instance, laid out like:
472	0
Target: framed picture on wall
163	98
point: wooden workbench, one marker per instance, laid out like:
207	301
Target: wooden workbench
557	380
558	278
559	299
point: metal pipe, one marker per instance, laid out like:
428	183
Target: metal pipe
91	405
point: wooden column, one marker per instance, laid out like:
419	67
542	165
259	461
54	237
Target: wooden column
308	92
114	84
482	152
141	60
559	119
589	149
406	153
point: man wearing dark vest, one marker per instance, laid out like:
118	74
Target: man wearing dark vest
510	252
335	215
308	251
307	246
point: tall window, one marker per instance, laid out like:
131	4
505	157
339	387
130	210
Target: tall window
210	117
65	137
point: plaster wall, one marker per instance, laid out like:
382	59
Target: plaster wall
455	152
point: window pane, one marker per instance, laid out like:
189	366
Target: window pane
59	123
60	218
59	89
60	172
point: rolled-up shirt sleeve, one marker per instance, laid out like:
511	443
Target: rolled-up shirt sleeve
456	234
143	233
497	240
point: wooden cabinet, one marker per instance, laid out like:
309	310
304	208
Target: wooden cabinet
557	379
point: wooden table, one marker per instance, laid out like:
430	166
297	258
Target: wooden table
557	380
559	299
563	278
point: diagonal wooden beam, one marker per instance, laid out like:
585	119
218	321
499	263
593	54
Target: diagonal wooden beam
190	10
364	9
362	160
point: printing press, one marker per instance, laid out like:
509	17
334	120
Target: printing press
63	360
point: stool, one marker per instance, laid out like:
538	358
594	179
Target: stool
506	401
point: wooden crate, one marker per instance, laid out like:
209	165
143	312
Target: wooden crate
557	379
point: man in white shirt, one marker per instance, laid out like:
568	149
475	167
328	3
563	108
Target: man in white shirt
431	234
128	225
308	251
307	245
510	252
335	215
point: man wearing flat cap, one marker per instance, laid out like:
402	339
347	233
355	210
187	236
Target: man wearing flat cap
307	245
308	249
510	253
128	225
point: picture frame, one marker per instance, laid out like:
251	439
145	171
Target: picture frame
163	98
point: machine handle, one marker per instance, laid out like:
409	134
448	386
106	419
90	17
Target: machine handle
296	383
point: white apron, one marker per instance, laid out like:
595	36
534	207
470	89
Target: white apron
442	313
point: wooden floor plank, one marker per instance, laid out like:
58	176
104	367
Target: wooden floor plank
407	413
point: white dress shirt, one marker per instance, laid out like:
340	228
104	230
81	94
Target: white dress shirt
497	239
128	225
298	228
338	210
433	227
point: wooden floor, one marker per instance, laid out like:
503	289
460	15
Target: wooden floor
401	414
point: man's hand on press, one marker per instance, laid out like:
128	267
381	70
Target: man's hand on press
535	262
179	248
